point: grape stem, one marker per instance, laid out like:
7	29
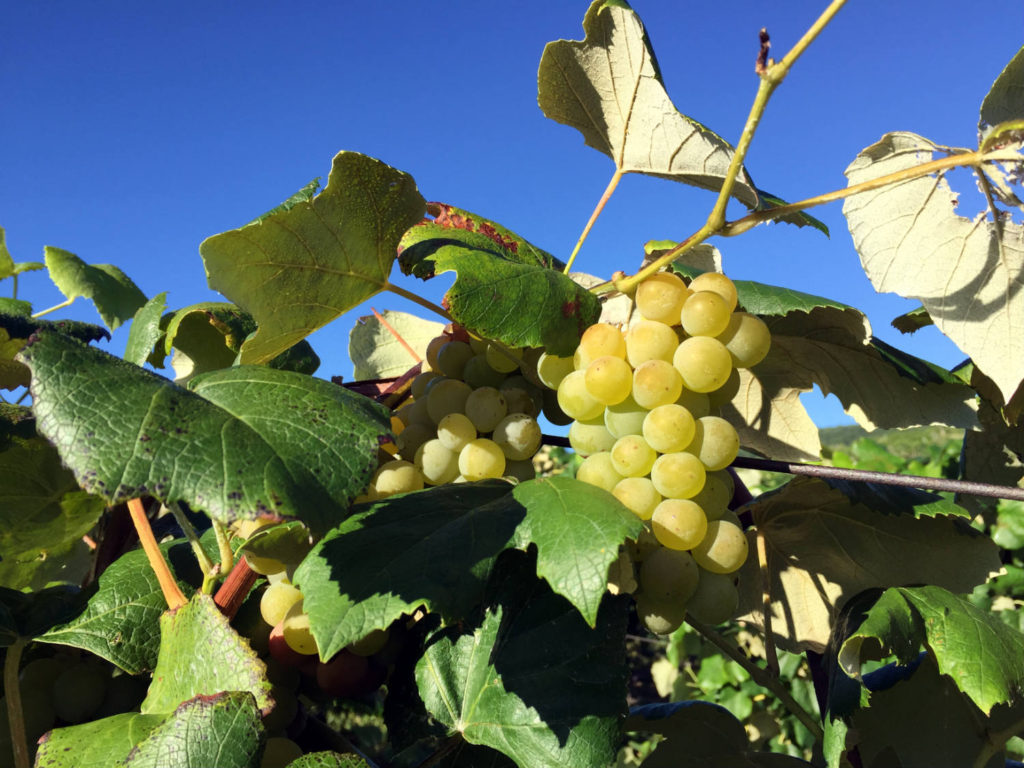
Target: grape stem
616	177
235	588
760	676
15	711
205	564
172	592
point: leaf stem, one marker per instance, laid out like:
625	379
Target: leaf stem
205	564
761	676
172	592
425	303
15	711
54	308
14	287
616	177
227	556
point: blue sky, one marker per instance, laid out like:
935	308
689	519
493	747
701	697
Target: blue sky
131	132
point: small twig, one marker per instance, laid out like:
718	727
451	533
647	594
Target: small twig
205	564
616	177
172	592
397	335
760	676
15	710
54	308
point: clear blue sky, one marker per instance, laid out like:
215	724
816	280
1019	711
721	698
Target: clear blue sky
132	131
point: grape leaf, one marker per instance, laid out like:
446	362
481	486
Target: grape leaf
145	330
993	454
223	730
328	760
97	744
15	329
201	655
8	266
377	354
1004	99
116	297
983	656
824	547
260	442
912	242
9	306
531	680
609	87
912	321
497	275
304	264
37	569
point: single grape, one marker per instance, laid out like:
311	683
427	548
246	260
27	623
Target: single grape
479	373
415	412
718	283
668	576
660	618
518	435
747	338
575	400
716	494
622	575
452	358
279	752
668	428
600	340
660	297
638	495
264	565
715	442
438	464
433	349
650	340
552	369
705	314
481	459
632	456
703	362
522	396
397	477
678	475
478	345
447	396
412	437
531	356
679	523
277	599
655	383
724	548
608	379
485	407
716	598
522	470
419	385
455	430
625	418
597	469
297	632
504	360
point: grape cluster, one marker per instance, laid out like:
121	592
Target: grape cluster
471	416
644	406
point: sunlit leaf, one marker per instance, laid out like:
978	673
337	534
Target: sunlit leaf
375	351
145	329
116	297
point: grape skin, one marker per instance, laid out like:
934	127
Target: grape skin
703	362
679	523
276	601
678	475
724	548
638	494
632	456
660	297
705	314
608	379
597	469
481	459
669	428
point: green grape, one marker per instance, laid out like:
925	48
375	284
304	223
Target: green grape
724	395
264	565
724	548
632	456
518	435
415	412
297	632
597	469
412	437
600	340
522	396
705	314
625	418
716	494
660	297
438	464
622	574
78	692
715	442
645	544
504	360
697	403
552	369
279	752
452	358
433	349
747	338
276	600
608	379
656	383
397	477
668	576
478	345
522	470
447	396
485	407
478	373
703	362
716	598
419	385
531	356
250	624
638	494
678	475
553	411
455	430
718	283
650	340
481	459
668	428
575	400
679	524
660	618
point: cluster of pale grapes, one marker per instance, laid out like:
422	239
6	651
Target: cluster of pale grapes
644	405
472	415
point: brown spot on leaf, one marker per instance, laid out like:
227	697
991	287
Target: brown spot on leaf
571	308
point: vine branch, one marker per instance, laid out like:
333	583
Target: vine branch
172	592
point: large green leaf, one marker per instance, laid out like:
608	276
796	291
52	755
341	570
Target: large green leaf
15	329
824	547
498	274
201	655
609	87
104	743
116	297
983	656
912	242
259	442
299	268
531	680
437	547
375	351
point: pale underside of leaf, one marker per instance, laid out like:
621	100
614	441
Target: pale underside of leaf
377	353
968	274
771	420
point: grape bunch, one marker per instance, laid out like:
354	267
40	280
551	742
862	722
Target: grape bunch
471	416
644	405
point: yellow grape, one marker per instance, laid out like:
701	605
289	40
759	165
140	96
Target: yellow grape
660	618
668	575
455	430
747	338
650	340
575	400
552	369
703	362
715	442
438	463
638	494
724	548
678	475
481	459
679	523
297	633
718	283
597	469
716	494
600	340
433	349
588	437
502	360
276	600
660	297
716	598
705	314
632	456
447	396
485	407
655	383
668	428
625	418
518	435
608	379
397	477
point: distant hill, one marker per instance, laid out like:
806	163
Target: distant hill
907	443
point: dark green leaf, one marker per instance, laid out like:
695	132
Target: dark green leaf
249	437
9	306
1003	101
145	330
201	655
116	297
799	218
532	680
983	656
21	327
300	268
497	274
30	615
99	744
38	569
911	321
